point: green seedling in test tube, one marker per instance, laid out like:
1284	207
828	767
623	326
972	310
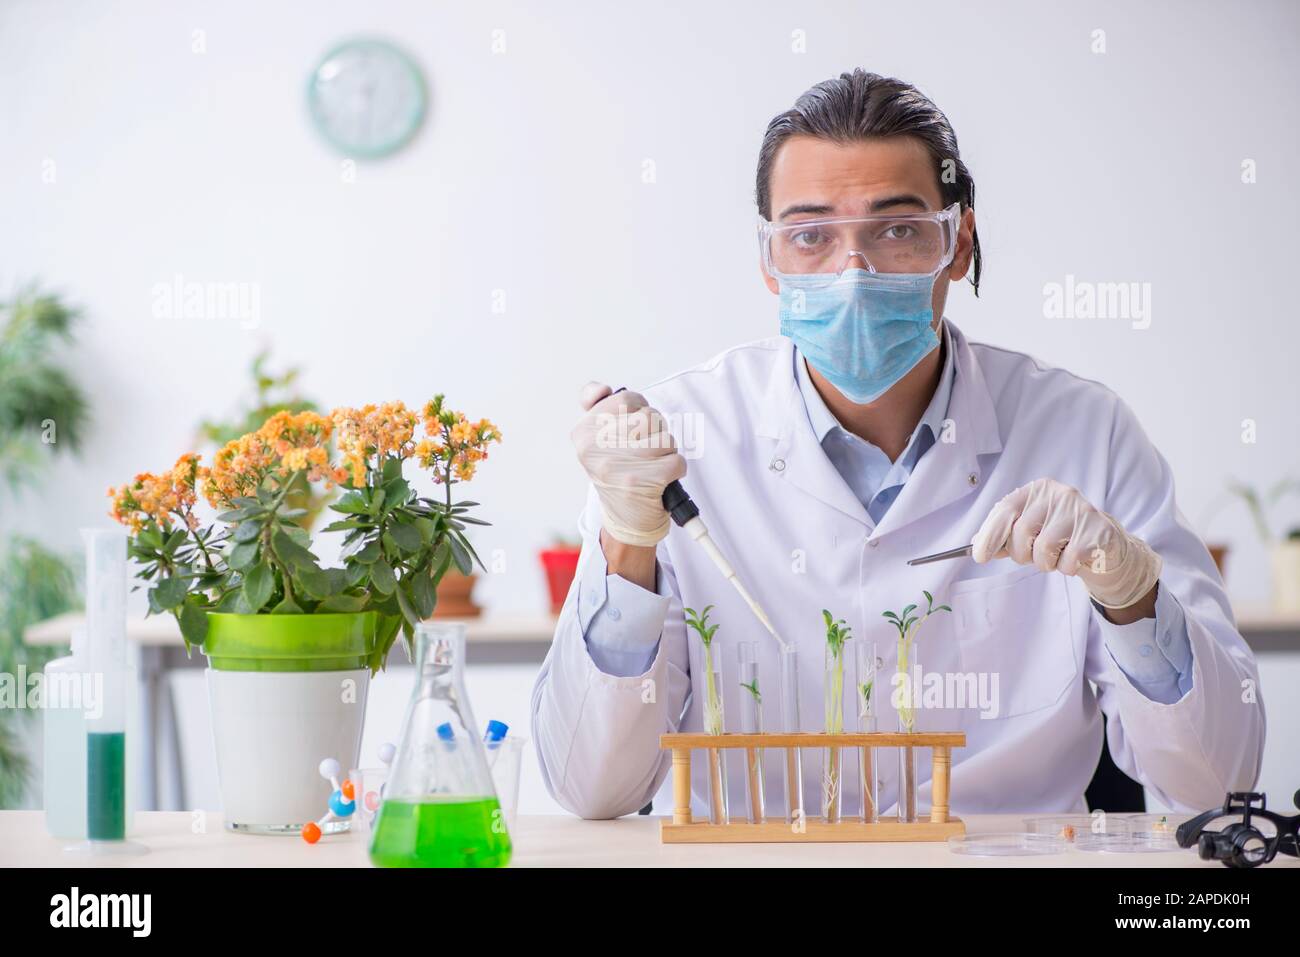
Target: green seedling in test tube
699	623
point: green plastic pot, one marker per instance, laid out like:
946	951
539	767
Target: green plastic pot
332	642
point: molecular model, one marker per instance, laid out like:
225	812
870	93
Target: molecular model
342	802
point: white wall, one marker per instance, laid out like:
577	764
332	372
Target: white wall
1123	166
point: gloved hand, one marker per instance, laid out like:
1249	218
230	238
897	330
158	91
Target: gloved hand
1051	525
630	457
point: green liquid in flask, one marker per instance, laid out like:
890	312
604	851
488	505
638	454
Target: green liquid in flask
106	786
437	832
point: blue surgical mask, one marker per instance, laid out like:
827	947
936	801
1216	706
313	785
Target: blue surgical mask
864	331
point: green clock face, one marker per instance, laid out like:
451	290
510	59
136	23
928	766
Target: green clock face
367	98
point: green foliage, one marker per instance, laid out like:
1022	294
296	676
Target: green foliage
699	623
753	690
42	410
272	393
837	632
40	403
1260	503
906	622
35	584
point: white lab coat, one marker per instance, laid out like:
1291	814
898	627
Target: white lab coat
802	542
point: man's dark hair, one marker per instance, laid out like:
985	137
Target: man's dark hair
861	106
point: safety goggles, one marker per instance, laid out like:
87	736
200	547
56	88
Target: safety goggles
817	251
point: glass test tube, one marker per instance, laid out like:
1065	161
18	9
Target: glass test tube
751	722
909	698
865	661
714	724
832	770
789	657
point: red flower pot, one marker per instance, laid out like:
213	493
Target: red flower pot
561	564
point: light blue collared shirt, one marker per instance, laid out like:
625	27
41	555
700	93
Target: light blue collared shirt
621	622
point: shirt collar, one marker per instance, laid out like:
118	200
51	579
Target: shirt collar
823	421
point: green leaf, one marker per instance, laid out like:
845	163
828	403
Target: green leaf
381	576
353	503
174	540
319	584
407	537
461	556
247	531
408	609
287	607
242	555
423	595
376	502
392	469
441	560
344	524
397	493
259	582
169	593
193	621
369	554
241	514
343	604
292	552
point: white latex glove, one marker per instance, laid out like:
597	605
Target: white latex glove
630	457
1052	526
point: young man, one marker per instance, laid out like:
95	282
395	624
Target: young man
871	431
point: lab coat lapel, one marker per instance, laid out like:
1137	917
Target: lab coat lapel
951	468
798	458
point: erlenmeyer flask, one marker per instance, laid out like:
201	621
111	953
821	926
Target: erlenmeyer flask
440	808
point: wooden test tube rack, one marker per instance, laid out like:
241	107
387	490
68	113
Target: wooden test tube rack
684	829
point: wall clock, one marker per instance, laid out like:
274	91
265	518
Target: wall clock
367	98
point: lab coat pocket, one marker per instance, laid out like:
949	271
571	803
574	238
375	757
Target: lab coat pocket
1013	632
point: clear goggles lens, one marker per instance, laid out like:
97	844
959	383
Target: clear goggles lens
821	249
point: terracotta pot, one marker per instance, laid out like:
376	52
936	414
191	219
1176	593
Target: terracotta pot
560	564
454	596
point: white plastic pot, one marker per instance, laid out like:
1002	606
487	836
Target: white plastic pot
272	730
1286	575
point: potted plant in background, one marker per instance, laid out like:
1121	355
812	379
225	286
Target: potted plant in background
42	414
271	392
560	562
1284	552
290	644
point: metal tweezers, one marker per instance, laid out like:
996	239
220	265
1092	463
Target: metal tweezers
942	556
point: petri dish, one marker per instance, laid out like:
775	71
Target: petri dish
1152	823
1071	826
1024	844
1137	842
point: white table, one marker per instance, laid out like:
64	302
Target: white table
541	841
489	639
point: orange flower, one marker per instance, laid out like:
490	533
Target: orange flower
455	445
162	498
286	443
373	430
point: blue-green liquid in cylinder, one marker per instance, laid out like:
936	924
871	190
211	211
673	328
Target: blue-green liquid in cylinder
106	786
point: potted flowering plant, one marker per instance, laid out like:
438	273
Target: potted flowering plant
291	644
